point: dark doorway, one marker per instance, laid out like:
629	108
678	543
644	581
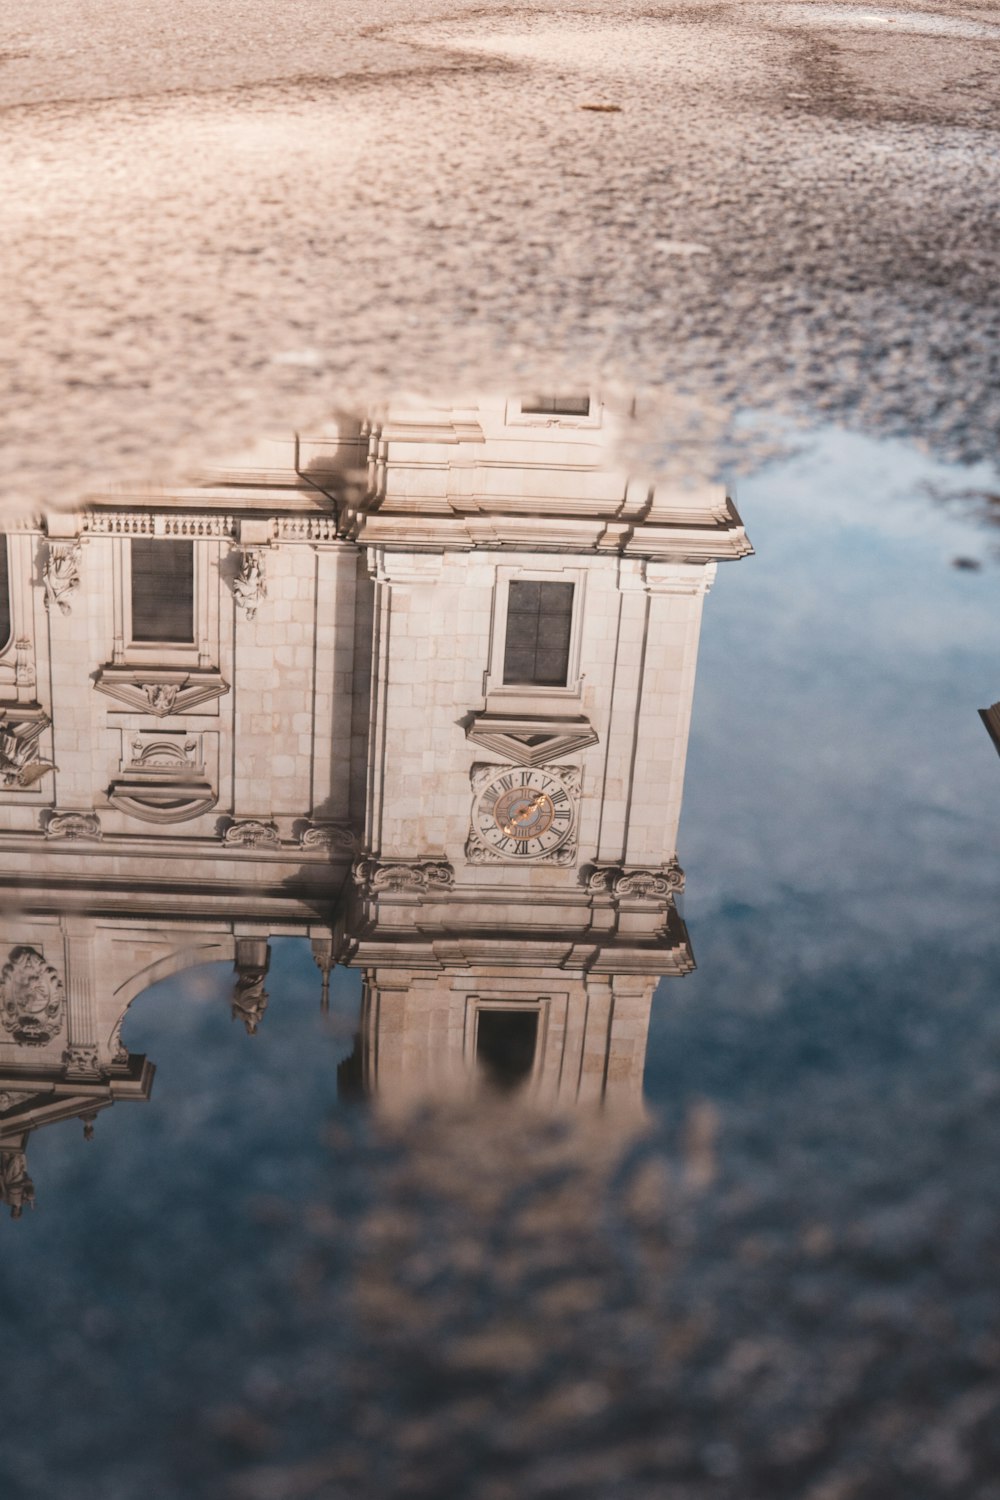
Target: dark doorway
505	1046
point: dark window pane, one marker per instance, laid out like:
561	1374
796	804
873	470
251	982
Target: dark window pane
162	590
539	621
556	406
4	593
505	1046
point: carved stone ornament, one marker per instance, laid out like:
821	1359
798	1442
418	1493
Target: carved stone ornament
61	574
250	1000
32	1002
252	833
11	1098
163	779
640	884
377	877
16	1188
250	583
119	1052
24	662
149	690
80	1061
20	731
327	836
72	825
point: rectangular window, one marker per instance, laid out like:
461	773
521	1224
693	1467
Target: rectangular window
4	594
505	1046
556	406
162	590
539	618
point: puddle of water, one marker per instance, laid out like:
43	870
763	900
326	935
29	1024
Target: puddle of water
357	775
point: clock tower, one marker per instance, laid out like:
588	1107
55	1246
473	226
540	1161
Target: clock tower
535	624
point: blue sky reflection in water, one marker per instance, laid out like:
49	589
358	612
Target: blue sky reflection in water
191	1310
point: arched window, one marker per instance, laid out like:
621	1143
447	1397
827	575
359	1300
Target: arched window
4	595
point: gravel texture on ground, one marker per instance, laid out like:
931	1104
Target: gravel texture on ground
222	219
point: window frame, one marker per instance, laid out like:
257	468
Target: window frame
539	1005
534	698
539	644
158	643
202	650
516	416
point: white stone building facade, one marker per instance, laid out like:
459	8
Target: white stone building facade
418	688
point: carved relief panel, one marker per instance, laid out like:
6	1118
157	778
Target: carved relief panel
32	1002
165	777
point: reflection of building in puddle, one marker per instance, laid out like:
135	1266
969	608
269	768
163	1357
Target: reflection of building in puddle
419	689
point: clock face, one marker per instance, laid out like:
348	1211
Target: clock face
524	813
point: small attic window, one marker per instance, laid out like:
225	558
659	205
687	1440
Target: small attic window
556	406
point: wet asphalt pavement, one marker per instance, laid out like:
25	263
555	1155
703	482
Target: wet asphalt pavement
221	219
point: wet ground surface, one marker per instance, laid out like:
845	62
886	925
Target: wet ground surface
782	1284
225	219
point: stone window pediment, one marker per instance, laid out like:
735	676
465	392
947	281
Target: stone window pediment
530	741
161	691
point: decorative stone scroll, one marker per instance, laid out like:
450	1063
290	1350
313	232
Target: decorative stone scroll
250	583
119	1052
20	763
32	1002
72	825
378	877
640	884
61	574
332	836
252	833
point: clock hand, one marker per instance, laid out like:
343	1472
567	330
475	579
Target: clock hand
518	819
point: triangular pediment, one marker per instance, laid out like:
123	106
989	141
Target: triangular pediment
160	691
528	741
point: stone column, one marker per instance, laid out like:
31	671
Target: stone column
81	1058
